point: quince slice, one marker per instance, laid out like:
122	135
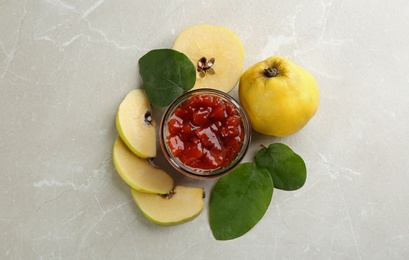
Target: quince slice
135	124
138	173
181	205
217	54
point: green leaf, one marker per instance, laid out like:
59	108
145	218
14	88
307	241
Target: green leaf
285	166
239	200
166	74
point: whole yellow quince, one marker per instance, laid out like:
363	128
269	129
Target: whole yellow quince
278	96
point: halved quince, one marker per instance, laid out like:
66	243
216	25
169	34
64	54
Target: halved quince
217	53
179	206
139	173
135	124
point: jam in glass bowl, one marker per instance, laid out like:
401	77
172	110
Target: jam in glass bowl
204	133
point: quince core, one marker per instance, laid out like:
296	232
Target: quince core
216	52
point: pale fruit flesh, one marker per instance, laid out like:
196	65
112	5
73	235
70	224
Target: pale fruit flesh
220	43
184	204
135	125
138	173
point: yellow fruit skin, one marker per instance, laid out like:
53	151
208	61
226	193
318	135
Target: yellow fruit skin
280	105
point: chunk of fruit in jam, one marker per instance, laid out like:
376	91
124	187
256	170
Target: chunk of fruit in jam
208	138
175	125
205	132
201	116
191	152
175	144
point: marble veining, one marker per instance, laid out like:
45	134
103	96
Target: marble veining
65	66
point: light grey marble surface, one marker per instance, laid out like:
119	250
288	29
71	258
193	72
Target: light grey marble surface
65	66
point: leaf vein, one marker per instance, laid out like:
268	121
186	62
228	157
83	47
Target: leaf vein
163	77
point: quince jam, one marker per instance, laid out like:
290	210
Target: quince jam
205	132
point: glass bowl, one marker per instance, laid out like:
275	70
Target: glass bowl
204	134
